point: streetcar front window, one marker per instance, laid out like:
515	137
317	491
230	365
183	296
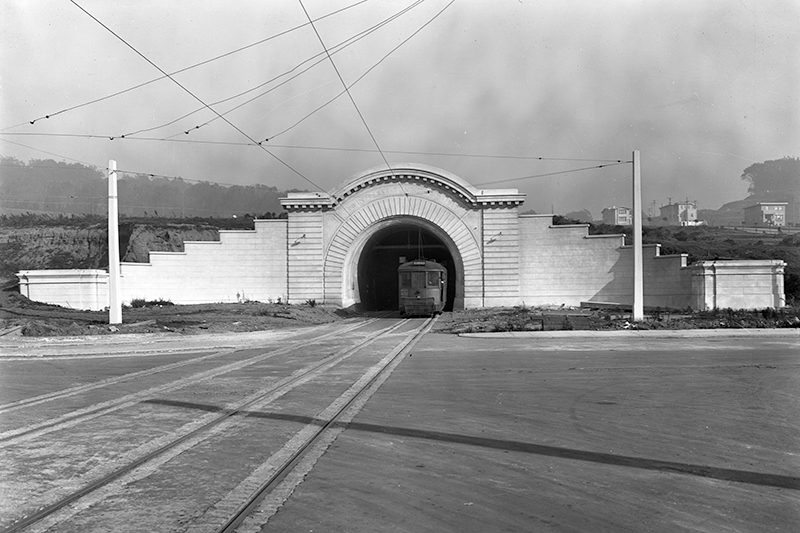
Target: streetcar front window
405	280
433	279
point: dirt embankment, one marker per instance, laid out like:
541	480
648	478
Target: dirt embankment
62	247
21	316
138	240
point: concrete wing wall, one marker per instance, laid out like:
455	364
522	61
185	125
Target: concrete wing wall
563	265
738	284
242	265
77	289
566	265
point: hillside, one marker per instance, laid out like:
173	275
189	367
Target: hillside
48	186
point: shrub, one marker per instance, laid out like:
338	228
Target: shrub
141	302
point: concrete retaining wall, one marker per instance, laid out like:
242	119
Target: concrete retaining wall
737	284
78	289
565	265
241	265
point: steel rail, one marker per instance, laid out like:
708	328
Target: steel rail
57	395
43	512
280	474
9	436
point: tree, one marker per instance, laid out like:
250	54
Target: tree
778	178
582	216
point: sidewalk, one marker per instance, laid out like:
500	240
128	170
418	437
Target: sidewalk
649	333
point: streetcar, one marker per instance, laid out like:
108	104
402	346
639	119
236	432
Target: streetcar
423	288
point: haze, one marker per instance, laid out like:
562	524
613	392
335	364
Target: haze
702	89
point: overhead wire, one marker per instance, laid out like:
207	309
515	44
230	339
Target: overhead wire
306	147
347	88
134	173
333	63
338	48
553	173
190	67
125	206
197	97
46	152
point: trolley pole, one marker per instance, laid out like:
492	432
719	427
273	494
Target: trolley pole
114	302
638	283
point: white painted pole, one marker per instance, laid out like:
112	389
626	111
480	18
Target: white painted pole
114	302
638	282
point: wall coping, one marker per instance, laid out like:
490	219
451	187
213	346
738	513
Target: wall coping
569	226
76	272
737	266
604	236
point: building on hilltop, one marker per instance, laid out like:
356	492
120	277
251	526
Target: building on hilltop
679	214
618	216
766	214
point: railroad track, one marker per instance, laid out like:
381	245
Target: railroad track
264	483
79	389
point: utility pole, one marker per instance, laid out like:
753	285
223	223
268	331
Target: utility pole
114	302
638	284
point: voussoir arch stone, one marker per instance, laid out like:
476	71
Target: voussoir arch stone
347	245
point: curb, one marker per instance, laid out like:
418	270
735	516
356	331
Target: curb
650	334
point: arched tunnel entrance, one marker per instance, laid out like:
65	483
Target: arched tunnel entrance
386	250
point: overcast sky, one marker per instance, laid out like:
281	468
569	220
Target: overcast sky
702	88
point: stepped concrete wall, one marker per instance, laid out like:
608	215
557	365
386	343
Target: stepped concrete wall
242	265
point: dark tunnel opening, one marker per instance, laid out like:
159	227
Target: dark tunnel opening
386	251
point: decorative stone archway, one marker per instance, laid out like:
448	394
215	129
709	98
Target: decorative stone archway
327	233
342	270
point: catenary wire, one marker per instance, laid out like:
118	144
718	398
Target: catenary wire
304	147
124	205
360	77
196	97
48	153
333	63
552	173
190	67
338	48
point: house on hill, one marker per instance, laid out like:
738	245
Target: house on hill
679	214
766	214
618	216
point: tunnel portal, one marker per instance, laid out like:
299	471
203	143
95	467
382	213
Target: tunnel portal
386	251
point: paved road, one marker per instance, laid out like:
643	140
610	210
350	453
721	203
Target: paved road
618	433
557	432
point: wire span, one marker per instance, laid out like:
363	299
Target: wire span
190	67
48	153
302	147
553	173
196	97
359	78
336	49
338	74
